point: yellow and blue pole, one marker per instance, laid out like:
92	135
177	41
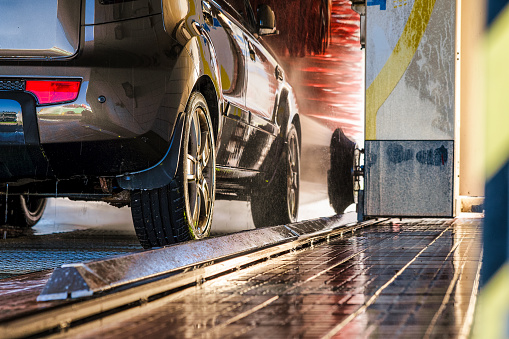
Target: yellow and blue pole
492	319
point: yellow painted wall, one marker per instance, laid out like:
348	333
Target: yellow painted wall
471	106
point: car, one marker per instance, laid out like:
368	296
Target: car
165	106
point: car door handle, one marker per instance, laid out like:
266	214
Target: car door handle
278	73
207	9
252	53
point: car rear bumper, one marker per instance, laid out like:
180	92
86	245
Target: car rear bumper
71	139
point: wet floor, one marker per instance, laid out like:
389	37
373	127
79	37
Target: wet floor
398	279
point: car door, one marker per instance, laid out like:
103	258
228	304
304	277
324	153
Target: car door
241	144
262	81
231	48
263	76
224	28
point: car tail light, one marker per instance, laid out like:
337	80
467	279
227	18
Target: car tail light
52	92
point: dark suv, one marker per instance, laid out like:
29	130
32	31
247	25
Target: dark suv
160	105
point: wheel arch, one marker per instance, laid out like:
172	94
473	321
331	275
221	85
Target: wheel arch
272	191
296	123
206	87
287	113
163	172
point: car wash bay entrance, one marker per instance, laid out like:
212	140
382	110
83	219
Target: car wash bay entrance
329	277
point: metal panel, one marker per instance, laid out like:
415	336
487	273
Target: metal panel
409	178
410	107
410	63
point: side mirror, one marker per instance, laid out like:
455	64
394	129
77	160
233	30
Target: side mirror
266	20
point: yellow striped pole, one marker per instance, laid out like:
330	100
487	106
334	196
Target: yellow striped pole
492	317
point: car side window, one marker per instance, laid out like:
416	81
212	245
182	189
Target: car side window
239	10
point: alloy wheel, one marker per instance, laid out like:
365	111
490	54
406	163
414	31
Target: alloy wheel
199	173
293	176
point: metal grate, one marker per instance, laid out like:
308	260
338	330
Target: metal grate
12	85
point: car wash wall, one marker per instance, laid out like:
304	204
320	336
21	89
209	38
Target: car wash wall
411	125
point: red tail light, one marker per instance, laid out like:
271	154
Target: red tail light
52	92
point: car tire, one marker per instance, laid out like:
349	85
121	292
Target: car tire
182	210
23	211
278	204
340	175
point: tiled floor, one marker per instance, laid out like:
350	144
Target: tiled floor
397	279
